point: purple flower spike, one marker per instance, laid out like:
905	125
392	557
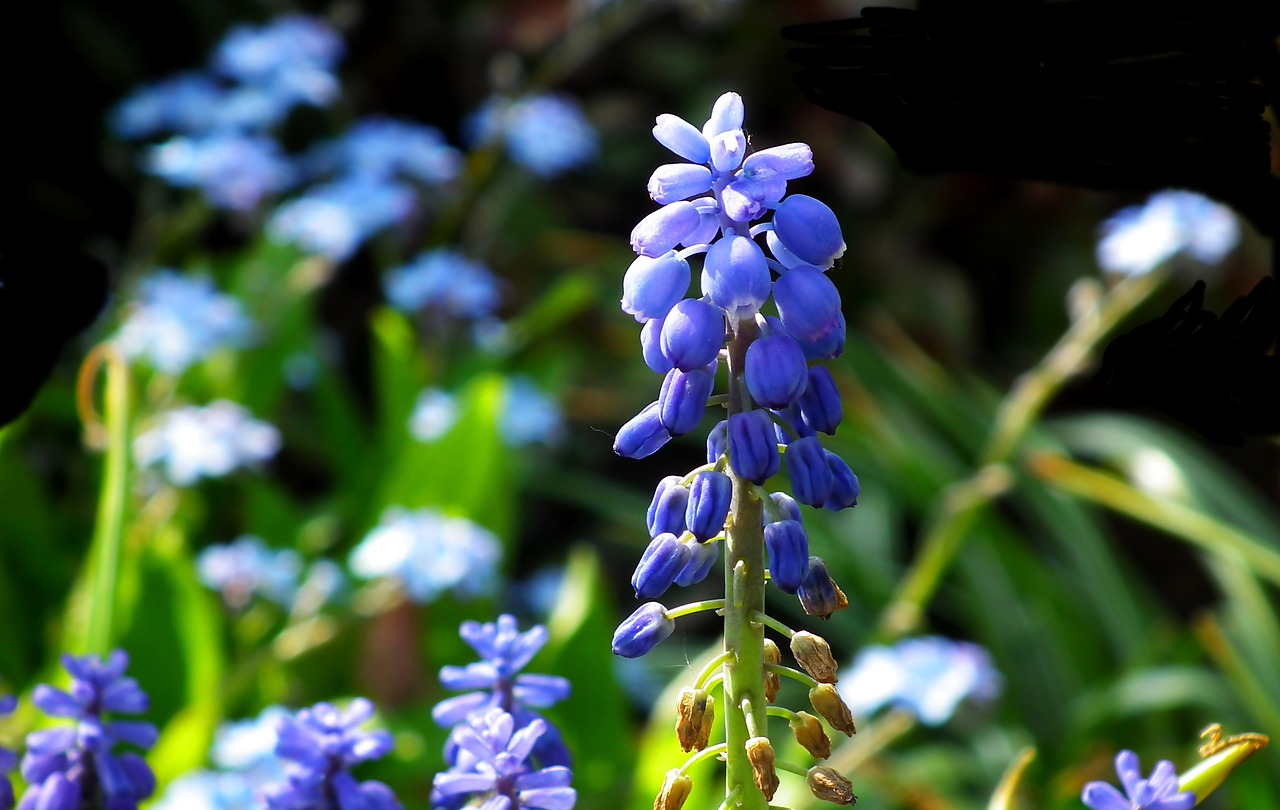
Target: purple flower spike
1160	792
709	497
809	230
651	346
665	558
665	228
642	631
820	407
776	371
681	137
753	453
652	286
788	547
320	746
493	766
702	557
735	276
666	510
682	401
844	484
811	476
692	334
808	303
643	435
678	181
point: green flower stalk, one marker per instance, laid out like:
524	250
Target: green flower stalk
730	205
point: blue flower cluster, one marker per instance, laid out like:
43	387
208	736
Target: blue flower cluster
245	760
501	754
1140	237
1159	792
191	443
528	415
722	203
180	320
320	746
929	677
428	553
76	766
445	282
247	568
546	134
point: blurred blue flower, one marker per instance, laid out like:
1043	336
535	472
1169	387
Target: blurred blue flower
180	320
68	767
529	416
234	170
293	55
320	746
434	413
496	680
492	768
380	148
428	553
928	677
246	568
186	103
1138	238
244	752
335	218
445	281
546	134
1160	792
8	759
191	443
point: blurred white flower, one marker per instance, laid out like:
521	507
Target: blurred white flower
180	320
193	442
1138	238
429	553
928	677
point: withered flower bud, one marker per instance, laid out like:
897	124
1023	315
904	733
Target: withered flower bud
829	786
810	734
826	700
814	656
819	594
695	714
675	789
772	681
760	755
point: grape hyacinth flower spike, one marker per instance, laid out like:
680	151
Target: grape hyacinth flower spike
1159	792
500	751
766	308
76	766
319	747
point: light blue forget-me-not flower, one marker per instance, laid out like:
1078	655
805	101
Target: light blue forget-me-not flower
191	443
180	320
428	553
1140	237
546	134
928	677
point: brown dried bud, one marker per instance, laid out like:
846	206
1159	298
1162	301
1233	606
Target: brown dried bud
760	755
813	654
772	681
829	786
809	733
695	714
826	700
675	789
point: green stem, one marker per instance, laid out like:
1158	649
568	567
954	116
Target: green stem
766	619
695	607
744	598
793	674
705	753
711	670
109	528
964	501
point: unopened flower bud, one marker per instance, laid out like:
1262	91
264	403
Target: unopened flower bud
643	630
830	786
663	229
789	161
809	229
726	114
718	441
695	715
819	594
775	370
827	702
760	755
772	681
746	198
820	407
692	334
651	346
681	137
788	548
813	654
735	276
666	510
702	558
642	435
682	402
675	789
844	484
786	505
810	734
827	347
727	149
653	285
811	478
678	181
709	228
808	303
753	452
709	497
664	558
